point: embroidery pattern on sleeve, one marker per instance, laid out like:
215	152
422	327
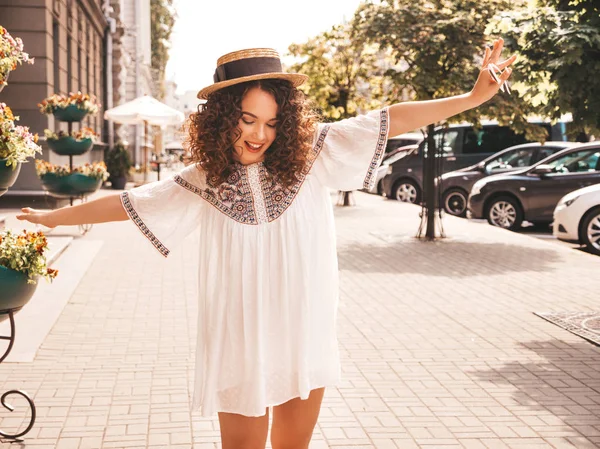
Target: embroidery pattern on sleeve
141	225
251	195
379	149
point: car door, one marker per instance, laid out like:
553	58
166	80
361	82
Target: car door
572	171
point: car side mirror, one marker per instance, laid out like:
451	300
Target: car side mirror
543	169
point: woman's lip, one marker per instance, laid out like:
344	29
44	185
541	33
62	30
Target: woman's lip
252	149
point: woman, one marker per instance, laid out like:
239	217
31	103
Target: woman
257	195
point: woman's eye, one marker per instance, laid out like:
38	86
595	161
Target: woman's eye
247	123
272	126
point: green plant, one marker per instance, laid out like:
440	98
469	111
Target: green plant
11	54
16	142
118	161
25	253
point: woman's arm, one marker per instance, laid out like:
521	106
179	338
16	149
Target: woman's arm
102	210
412	115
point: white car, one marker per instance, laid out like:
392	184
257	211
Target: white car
577	218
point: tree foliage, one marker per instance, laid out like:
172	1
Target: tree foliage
162	20
558	42
345	73
437	47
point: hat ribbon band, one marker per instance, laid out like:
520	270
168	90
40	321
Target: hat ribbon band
246	67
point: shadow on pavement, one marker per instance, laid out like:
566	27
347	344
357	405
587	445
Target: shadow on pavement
447	258
563	388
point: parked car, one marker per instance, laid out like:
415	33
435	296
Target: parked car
402	140
531	194
577	218
394	150
463	145
390	158
456	185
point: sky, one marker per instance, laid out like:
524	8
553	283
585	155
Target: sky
204	30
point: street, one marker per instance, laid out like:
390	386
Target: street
440	344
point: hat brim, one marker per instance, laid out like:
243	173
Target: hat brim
296	79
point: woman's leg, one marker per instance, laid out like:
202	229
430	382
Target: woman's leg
243	432
294	421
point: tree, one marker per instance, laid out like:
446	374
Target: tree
162	20
437	46
345	74
558	42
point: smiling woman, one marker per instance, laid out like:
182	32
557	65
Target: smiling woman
257	196
263	120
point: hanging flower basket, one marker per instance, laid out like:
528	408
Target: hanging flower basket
15	292
68	146
73	185
8	175
11	55
71	113
16	142
72	108
22	263
74	144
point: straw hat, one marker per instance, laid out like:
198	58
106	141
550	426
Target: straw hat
249	65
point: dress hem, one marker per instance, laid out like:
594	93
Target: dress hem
196	409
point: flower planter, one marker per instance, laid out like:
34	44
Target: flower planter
69	114
68	146
15	291
118	182
8	176
72	185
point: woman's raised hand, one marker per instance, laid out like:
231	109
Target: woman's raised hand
494	74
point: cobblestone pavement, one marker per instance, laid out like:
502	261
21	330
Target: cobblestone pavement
440	344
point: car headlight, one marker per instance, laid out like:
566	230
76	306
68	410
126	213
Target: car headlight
568	202
476	190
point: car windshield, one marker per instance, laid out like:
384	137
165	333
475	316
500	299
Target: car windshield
511	159
577	161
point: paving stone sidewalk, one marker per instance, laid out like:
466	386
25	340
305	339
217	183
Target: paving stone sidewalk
440	344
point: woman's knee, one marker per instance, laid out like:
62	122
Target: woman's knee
243	432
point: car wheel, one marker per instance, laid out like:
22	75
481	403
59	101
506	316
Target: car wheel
590	231
406	191
505	212
455	202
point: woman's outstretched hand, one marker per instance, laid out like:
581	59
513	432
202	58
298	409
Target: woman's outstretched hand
493	75
36	216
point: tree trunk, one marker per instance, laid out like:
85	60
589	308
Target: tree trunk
429	186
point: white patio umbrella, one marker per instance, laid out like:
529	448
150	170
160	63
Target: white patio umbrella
145	110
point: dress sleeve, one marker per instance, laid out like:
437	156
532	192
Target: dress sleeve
166	211
349	151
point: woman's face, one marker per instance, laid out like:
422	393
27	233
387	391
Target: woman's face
257	126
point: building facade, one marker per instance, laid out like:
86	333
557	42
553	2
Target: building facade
67	40
98	47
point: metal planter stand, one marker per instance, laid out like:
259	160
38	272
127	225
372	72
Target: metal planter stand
11	340
70	115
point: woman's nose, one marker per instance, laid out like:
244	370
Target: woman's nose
260	132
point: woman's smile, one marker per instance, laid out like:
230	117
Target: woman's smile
253	147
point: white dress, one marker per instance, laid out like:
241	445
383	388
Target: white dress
268	273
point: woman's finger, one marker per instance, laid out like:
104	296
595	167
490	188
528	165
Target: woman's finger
506	74
498	45
486	57
502	65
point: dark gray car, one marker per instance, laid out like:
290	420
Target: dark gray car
456	185
462	146
531	194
